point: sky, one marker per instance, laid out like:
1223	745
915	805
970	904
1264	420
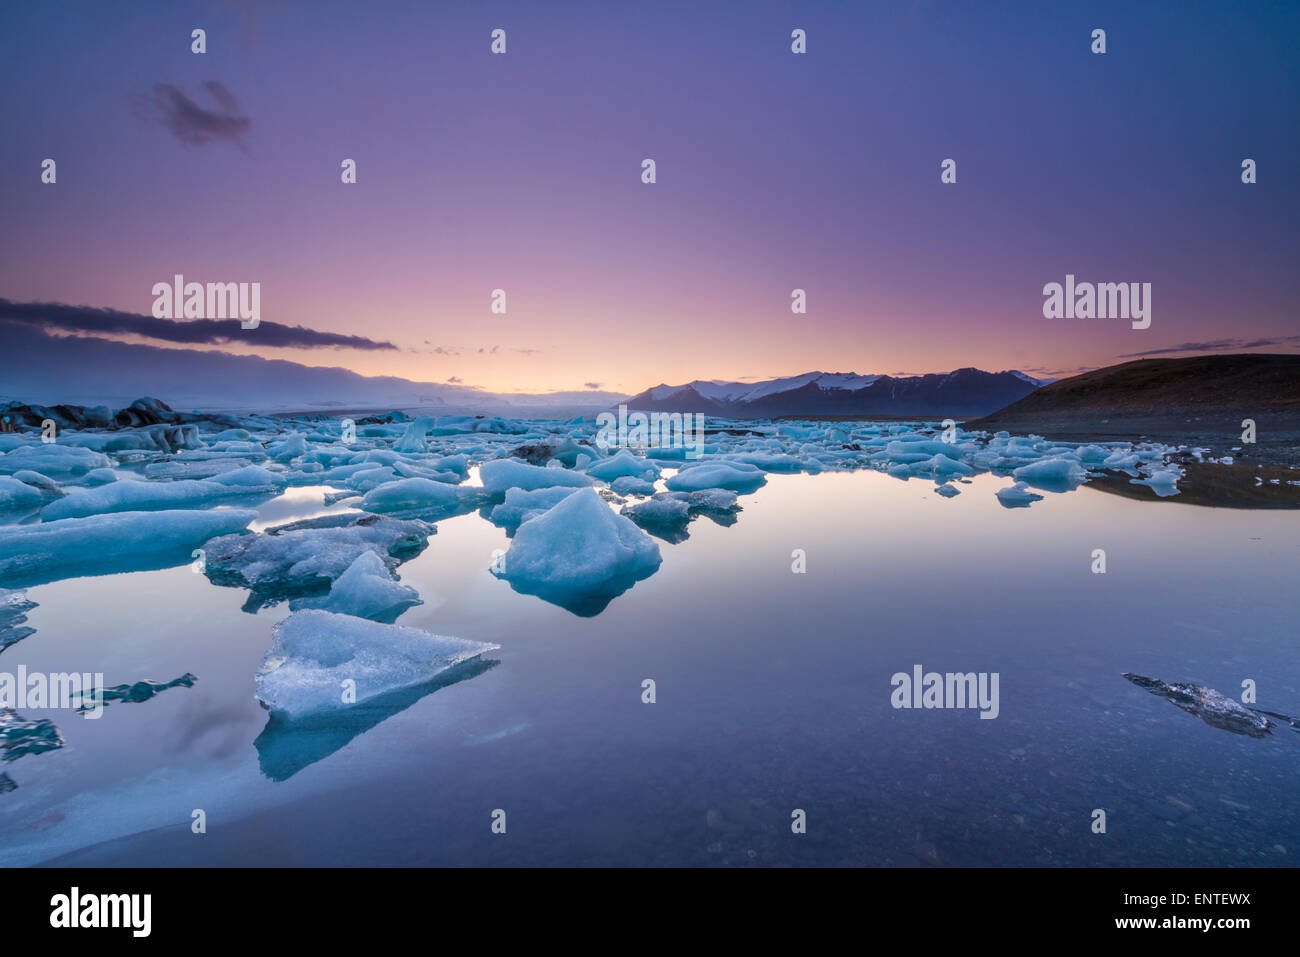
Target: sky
775	171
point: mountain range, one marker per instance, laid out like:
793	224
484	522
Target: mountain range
960	393
87	370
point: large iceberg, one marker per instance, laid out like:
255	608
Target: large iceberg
579	554
314	654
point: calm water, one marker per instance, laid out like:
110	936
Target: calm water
773	693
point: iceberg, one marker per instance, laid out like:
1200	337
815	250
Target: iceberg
16	496
1017	496
366	590
520	505
103	544
139	497
1056	474
306	557
14	606
579	555
630	485
313	653
623	464
501	475
734	476
21	736
1213	707
52	459
424	497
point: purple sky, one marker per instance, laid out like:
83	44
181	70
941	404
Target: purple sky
775	171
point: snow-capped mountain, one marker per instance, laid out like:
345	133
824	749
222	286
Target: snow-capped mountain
961	393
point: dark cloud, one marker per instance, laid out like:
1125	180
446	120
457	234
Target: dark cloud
1216	345
592	385
189	122
455	380
57	317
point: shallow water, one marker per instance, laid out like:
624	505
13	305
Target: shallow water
773	694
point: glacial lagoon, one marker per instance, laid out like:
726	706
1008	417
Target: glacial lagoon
772	687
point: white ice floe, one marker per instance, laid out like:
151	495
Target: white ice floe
314	654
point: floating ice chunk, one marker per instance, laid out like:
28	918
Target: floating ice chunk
431	500
413	438
623	464
302	557
1093	454
947	490
1017	496
42	482
735	476
661	510
520	505
14	606
16	496
183	467
314	652
1162	480
154	438
139	497
579	554
630	485
100	476
943	465
252	478
21	736
712	500
770	461
1055	474
100	544
367	590
52	459
500	475
294	446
